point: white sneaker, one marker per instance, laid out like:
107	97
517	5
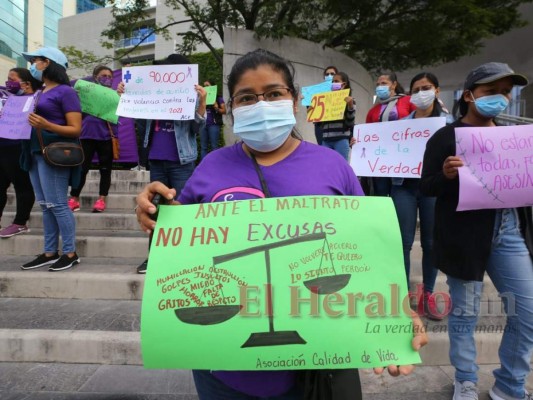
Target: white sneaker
497	394
138	168
465	391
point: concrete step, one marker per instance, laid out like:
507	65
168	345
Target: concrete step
117	186
89	243
116	220
38	381
117	175
93	278
124	202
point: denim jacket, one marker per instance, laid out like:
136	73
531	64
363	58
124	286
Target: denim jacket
185	132
449	120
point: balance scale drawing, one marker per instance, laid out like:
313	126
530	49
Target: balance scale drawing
210	315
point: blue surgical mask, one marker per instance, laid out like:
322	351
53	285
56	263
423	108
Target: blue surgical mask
328	78
491	106
336	86
36	73
265	125
383	92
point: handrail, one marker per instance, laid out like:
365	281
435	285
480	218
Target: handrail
506	119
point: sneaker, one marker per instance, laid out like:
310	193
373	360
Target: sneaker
141	269
41	261
431	308
65	262
73	205
99	206
138	168
497	394
13	230
465	391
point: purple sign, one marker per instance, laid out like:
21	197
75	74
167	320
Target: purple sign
14	119
498	170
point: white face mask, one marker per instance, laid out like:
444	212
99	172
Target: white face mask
423	99
265	125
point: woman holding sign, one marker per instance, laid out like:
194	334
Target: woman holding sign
56	118
96	137
271	161
19	83
469	243
408	200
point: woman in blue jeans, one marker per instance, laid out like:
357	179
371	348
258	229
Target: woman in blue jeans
57	117
408	200
210	133
469	243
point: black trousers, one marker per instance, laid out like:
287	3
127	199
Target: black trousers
10	172
104	149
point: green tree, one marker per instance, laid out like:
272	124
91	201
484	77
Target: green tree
380	34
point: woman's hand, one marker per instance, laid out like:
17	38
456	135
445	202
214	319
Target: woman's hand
121	88
145	208
38	122
420	339
201	92
451	166
349	102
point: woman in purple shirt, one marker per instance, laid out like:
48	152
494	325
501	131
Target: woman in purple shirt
262	94
57	114
96	138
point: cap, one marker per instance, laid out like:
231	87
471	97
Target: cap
173	59
51	53
490	72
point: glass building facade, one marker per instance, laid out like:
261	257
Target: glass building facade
86	5
13	28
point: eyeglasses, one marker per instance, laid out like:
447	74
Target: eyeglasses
247	99
423	88
329	74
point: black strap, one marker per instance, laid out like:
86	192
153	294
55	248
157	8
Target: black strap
264	186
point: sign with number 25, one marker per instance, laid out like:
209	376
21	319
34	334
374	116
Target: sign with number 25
328	106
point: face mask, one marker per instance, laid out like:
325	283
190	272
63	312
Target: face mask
105	81
336	86
266	125
423	99
328	78
14	87
383	92
491	106
36	73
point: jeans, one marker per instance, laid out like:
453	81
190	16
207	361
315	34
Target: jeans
510	268
104	149
10	172
407	200
341	146
51	188
171	173
209	135
211	388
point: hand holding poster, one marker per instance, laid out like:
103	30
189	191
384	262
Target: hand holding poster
498	170
309	91
308	282
14	117
211	94
159	92
328	106
392	149
98	100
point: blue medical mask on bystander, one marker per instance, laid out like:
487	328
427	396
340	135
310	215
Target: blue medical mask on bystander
383	92
491	106
36	73
265	125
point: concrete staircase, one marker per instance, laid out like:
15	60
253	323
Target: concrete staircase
90	315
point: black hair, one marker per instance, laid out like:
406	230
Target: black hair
346	80
100	68
56	73
334	68
25	76
255	59
393	78
437	107
463	105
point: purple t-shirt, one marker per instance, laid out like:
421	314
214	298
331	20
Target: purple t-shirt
164	146
210	112
95	128
53	105
229	174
